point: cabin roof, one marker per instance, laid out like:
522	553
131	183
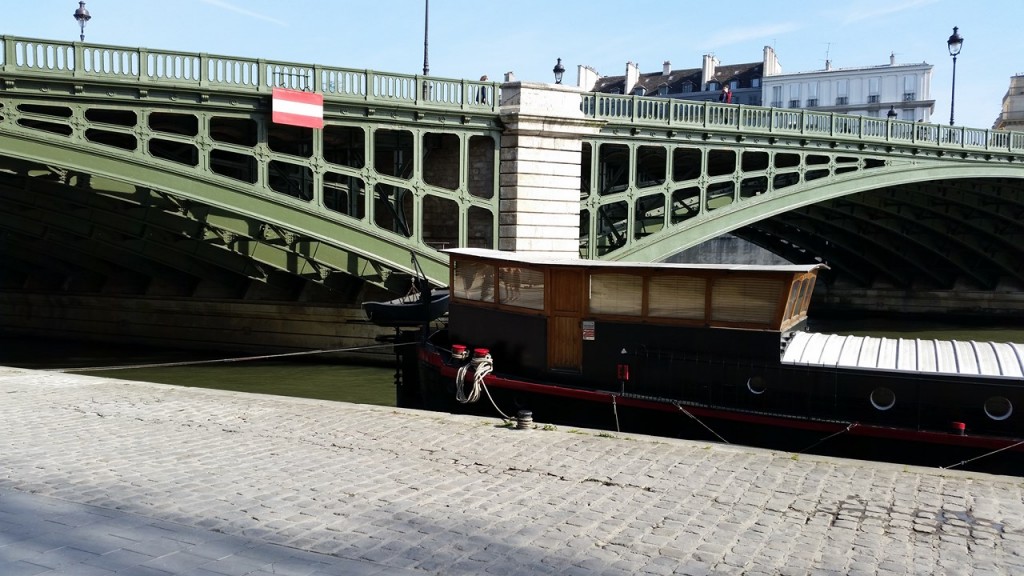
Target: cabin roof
907	354
536	259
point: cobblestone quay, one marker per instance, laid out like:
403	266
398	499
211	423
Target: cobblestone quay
103	476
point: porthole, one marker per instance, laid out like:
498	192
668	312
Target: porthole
756	385
998	408
882	398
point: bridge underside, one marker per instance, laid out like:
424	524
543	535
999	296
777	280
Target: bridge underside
885	220
935	235
75	232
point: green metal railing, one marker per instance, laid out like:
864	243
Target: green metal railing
685	114
76	60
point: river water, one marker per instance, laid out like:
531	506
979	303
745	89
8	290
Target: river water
313	377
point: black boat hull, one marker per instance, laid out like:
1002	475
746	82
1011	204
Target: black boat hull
434	388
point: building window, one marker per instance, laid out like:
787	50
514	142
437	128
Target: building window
755	82
734	84
874	90
812	102
843	92
712	86
909	96
794	103
663	90
777	96
686	88
873	114
907	115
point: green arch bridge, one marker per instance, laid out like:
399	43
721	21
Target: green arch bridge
160	176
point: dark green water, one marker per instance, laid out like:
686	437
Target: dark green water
306	377
310	377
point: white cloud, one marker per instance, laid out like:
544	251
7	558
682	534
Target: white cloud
732	36
244	12
859	11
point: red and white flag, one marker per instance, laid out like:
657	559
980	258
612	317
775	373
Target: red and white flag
297	108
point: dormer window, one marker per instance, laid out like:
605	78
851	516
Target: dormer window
663	90
686	88
712	86
639	91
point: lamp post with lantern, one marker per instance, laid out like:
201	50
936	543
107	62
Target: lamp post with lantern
954	44
559	70
83	16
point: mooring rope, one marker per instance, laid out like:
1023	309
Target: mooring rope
847	429
961	463
615	410
697	420
226	360
482	366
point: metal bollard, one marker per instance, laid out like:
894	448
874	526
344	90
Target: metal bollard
524	419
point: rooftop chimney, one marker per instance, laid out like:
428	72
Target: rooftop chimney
632	77
666	68
770	66
707	71
892	59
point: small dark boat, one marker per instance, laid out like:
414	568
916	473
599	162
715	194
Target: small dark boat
410	310
717	352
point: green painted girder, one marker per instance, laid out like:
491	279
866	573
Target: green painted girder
377	247
969	225
92	216
849	230
1005	207
951	245
840	250
802	247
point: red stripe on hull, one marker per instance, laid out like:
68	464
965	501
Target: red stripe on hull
435	361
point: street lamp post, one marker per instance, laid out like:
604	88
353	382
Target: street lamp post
954	44
83	16
558	70
426	33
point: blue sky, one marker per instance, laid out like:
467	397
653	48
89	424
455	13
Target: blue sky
470	38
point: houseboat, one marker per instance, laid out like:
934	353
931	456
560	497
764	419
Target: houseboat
709	352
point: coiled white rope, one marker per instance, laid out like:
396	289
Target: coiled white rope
482	366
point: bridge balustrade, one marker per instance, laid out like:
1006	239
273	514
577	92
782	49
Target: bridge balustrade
80	60
642	110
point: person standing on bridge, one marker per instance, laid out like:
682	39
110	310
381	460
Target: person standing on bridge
726	95
481	96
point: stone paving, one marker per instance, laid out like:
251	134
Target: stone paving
103	476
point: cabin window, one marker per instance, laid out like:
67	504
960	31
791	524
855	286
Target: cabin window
677	297
998	408
616	294
474	281
882	398
806	293
794	296
521	287
756	385
745	300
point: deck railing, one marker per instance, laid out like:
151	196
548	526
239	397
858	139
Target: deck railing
101	63
675	113
144	66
